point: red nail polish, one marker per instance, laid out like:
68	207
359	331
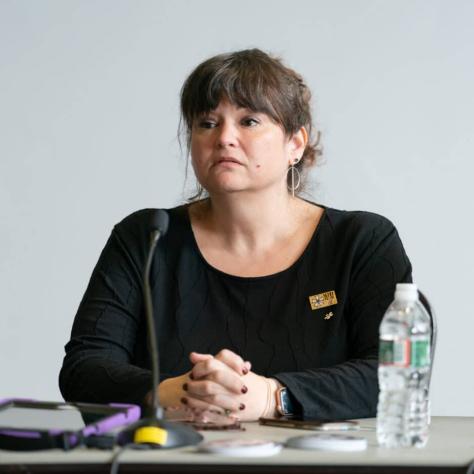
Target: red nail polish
241	406
244	389
184	401
185	387
191	376
245	371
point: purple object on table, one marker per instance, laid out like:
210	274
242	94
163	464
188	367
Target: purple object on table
27	424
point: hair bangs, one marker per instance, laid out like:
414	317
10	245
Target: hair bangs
242	87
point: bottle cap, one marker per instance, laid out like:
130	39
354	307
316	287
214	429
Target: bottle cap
406	292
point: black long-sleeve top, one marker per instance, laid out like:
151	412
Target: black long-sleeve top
313	326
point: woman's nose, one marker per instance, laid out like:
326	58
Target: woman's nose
227	135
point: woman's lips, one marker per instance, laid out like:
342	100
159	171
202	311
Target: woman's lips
228	161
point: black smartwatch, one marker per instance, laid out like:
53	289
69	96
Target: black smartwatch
284	403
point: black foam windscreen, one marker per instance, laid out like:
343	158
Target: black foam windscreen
159	220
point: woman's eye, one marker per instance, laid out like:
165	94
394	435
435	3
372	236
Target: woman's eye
207	124
250	122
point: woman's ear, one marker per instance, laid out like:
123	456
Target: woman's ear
298	142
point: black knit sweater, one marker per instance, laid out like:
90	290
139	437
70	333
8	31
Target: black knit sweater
324	352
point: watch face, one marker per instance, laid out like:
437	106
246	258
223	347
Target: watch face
285	403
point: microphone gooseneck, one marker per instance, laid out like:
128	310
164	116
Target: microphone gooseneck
153	430
159	222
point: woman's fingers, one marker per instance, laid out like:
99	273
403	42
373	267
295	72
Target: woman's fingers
221	381
226	356
195	357
232	360
221	403
210	368
217	380
200	405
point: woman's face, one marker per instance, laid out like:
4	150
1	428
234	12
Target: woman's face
234	149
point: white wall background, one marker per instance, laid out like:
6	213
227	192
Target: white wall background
88	119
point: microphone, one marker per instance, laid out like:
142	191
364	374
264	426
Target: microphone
159	222
153	430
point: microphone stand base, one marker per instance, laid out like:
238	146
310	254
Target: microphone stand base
159	434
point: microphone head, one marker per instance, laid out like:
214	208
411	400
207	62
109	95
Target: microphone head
159	221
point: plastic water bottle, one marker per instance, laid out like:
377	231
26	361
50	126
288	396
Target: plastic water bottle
404	371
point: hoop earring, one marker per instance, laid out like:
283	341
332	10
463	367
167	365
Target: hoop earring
199	190
295	176
197	195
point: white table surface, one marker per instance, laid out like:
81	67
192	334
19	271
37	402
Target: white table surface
451	443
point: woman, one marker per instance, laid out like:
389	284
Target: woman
264	303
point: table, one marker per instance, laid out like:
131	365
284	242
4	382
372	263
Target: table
450	449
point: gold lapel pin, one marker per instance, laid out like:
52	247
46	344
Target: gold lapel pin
322	300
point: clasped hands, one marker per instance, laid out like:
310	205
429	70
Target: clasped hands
223	383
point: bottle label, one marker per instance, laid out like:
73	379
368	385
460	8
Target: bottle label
420	353
405	353
394	352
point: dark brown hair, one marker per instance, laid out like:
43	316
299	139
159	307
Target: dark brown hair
257	81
